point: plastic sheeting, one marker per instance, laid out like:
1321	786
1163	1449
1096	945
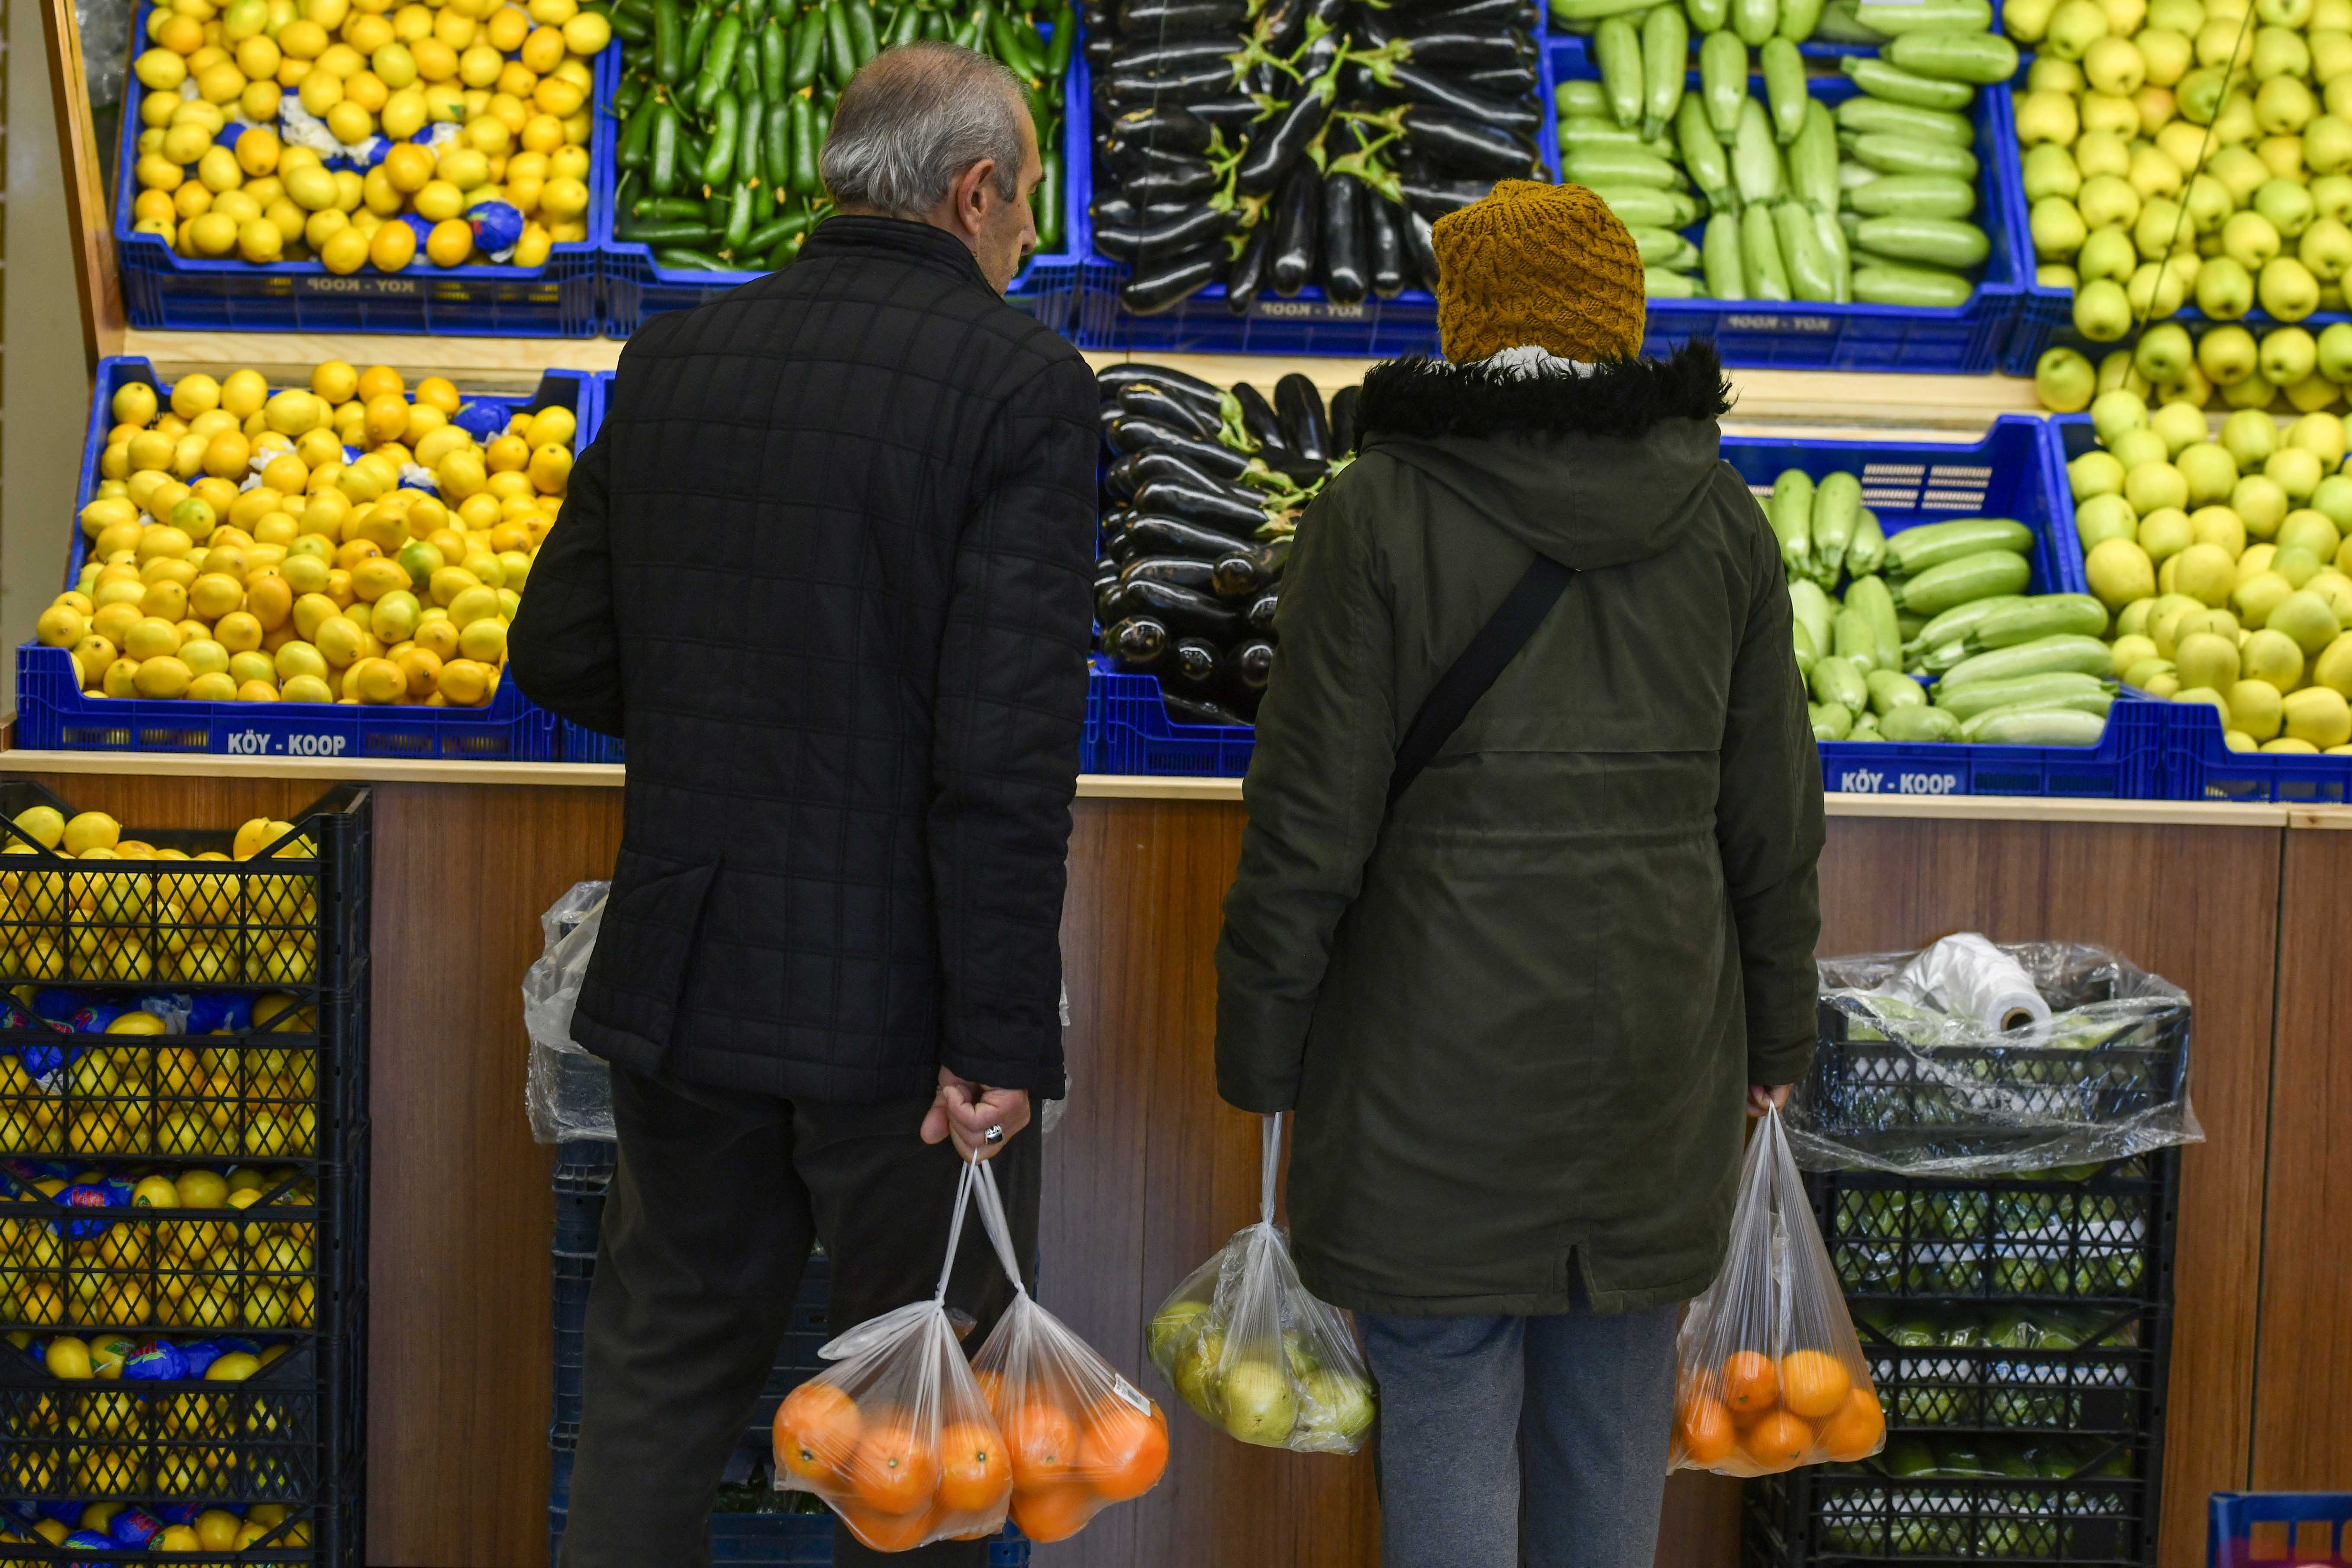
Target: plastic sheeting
568	1093
1908	1078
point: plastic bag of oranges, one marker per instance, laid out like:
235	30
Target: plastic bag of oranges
1770	1375
896	1438
1251	1351
1079	1435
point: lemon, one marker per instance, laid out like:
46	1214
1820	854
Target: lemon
44	825
234	1367
136	1022
68	1358
91	831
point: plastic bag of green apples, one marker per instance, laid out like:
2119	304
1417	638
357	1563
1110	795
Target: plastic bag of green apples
2225	560
2186	152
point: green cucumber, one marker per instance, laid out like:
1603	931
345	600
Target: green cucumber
1784	87
1980	576
2042	656
1918	288
1602	164
1984	696
1791	506
1760	256
1727	275
1890	689
1915	550
1814	609
1813	160
1723	82
1702	156
1854	639
1862	114
1810	276
1880	79
1892	18
1915	196
1936	241
1649	208
1980	58
1919	725
1617	51
2047	615
1756	168
1840	680
2035	727
1890	154
1837	503
1665	61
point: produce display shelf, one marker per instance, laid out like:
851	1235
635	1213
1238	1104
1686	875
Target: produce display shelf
2193	764
53	713
1965	339
1308	323
636	286
164	289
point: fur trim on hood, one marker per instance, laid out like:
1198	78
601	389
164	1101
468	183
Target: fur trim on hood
1425	397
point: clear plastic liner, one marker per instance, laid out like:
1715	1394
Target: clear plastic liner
105	48
1079	1435
895	1437
1910	1079
1244	1343
569	1092
1768	1374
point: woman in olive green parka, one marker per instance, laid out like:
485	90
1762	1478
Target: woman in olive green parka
1518	1014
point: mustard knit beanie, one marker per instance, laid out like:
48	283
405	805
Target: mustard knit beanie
1547	265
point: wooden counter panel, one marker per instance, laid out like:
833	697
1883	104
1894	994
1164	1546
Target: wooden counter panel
2303	1434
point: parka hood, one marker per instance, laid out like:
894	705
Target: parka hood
1593	469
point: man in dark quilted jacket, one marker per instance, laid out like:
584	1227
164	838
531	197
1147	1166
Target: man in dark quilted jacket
825	570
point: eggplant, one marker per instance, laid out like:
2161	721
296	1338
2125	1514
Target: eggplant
1384	247
1294	224
1502	83
1098	48
1192	711
1137	643
1181	18
1304	424
1199	226
1117	92
1242	574
1344	404
1115	211
1280	24
1164	284
1152	56
1171	126
1333	13
1252	663
1203	501
1193	662
1187	180
1130	437
1148	401
1260	615
1454	51
1174	536
1435	198
1131	473
1259	419
1246	273
1106	599
1127	433
1206	400
1177	570
1181	610
1135	161
1347	264
1419	248
1467	14
1232	113
1418	85
1099	15
1280	148
1466	146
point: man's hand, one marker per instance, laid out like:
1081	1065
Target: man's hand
965	1110
1761	1098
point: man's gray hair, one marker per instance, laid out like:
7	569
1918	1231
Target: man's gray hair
911	122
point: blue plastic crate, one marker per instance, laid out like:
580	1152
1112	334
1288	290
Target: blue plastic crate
581	745
1307	324
2197	767
1767	334
761	1540
558	298
52	714
2246	1530
586	1165
635	288
1813	49
1128	731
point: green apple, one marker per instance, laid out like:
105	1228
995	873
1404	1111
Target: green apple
2058	230
1259	1405
2249	239
2200	92
1336	1405
2258	500
2287	289
2065	380
2322	432
2162	229
2106	253
2209	468
2108	201
2048	170
2225	289
2328	146
2208	203
2226	355
2282	105
2075	27
2287	354
2331	196
2103	312
2102	518
2288	203
2182	423
2327	249
2155	290
2333	499
2250	438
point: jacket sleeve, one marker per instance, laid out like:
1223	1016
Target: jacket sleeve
1012	698
564	651
1768	824
1316	793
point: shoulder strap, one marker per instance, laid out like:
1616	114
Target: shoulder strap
1457	691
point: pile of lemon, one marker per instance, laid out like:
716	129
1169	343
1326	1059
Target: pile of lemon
249	103
322	579
214	1530
147	921
134	1271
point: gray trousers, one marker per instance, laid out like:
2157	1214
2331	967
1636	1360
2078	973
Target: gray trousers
1522	1442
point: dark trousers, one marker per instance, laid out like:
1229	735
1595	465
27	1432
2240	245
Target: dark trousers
707	1227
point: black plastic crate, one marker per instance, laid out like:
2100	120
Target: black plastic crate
293	917
1842	1518
2105	1387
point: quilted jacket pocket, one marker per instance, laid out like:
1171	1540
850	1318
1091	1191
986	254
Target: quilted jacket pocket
629	1001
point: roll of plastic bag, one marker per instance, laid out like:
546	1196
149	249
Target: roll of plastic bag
1968	977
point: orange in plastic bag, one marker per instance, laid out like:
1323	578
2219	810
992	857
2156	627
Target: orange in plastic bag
1769	1374
1079	1435
897	1437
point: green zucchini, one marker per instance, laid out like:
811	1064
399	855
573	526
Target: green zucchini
1890	154
1707	16
2084	692
1582	99
1892	18
1727	275
1890	689
1791	506
1723	82
1756	168
1784	87
1937	241
1915	550
1649	208
1877	602
1813	160
1806	653
1797	20
1865	553
1919	725
1864	113
1811	278
1852	639
1661	284
1832	721
1865	728
1702	156
1841	258
1665	61
1617	51
1914	197
1881	78
1812	608
1840	680
1918	288
1664	247
1837	502
2037	727
1980	58
1952	627
2047	615
1602	164
1759	255
1978	576
2042	655
1598	131
1754	20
